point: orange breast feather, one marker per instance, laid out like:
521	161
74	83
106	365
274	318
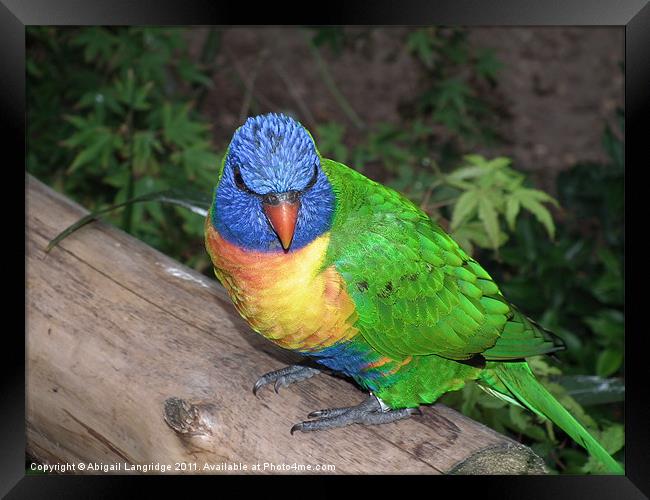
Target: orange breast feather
286	297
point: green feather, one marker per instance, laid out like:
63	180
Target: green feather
522	385
424	297
520	338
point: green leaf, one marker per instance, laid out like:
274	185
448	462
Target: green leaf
488	215
612	439
144	145
609	361
538	195
464	173
140	96
463	208
570	404
512	209
420	42
32	68
463	239
452	93
498	163
179	128
607	324
614	148
610	260
487	64
459	184
474	232
125	88
196	158
522	421
190	72
528	198
333	36
474	159
330	141
593	390
100	144
98	43
542	368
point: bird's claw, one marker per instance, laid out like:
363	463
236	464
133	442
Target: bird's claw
297	427
285	376
369	412
257	386
416	411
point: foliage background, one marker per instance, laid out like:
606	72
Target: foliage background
516	151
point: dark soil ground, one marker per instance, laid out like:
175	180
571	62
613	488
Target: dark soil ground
557	88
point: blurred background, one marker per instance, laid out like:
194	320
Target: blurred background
510	138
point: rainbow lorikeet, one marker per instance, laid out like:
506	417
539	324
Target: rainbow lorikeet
349	273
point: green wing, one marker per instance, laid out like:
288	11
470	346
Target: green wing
416	291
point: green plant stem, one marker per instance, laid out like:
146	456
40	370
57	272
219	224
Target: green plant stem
441	204
332	87
302	105
429	193
209	53
211	46
240	76
127	216
250	85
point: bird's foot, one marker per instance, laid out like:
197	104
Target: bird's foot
370	412
285	376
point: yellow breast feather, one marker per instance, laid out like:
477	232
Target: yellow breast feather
286	297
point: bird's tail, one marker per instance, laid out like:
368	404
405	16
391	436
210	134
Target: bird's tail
521	383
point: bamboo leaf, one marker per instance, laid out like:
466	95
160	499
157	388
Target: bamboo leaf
196	202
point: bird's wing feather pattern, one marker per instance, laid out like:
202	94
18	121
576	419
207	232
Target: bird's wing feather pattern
416	291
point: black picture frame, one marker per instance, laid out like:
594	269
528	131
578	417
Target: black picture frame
633	15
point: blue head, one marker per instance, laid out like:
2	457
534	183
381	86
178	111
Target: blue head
273	194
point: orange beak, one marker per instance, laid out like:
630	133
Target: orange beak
283	217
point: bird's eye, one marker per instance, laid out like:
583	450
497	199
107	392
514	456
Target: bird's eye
241	185
313	179
239	181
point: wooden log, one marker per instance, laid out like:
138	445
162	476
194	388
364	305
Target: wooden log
137	362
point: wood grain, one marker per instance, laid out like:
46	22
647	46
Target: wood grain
118	333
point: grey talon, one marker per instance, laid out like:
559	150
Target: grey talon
284	377
297	427
257	386
371	411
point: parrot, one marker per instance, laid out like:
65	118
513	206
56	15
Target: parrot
358	280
